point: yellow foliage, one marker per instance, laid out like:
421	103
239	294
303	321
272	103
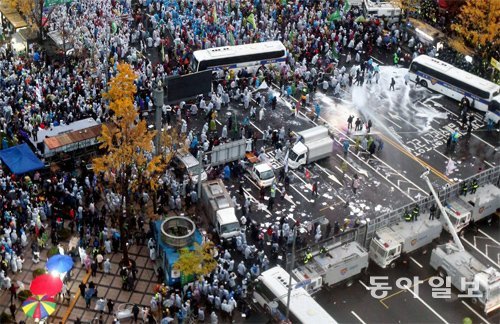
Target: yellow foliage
31	9
197	262
479	22
126	140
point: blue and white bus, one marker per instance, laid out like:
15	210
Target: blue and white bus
251	56
457	84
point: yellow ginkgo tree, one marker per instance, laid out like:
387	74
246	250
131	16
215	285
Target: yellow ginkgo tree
129	161
478	23
198	261
33	12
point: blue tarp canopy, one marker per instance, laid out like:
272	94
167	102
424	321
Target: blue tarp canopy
20	159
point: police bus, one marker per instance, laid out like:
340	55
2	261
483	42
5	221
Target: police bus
457	84
271	293
250	56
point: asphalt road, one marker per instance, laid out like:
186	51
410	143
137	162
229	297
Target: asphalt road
355	304
414	124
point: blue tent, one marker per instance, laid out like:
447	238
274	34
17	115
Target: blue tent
20	159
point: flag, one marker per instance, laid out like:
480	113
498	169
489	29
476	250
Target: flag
162	53
335	16
251	20
347	5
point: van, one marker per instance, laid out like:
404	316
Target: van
186	163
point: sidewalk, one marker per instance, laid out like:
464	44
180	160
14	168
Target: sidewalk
107	286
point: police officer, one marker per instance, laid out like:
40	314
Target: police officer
407	216
463	190
473	186
323	250
308	256
415	212
432	211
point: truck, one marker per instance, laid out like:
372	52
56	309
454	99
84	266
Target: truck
260	171
390	242
459	213
484	202
336	264
313	144
473	206
219	209
468	275
464	271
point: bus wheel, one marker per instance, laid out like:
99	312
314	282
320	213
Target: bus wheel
392	265
442	273
423	83
349	283
474	300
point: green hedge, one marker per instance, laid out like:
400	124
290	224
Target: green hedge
38	272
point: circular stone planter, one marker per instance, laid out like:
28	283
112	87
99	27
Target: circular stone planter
178	231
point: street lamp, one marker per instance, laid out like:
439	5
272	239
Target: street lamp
158	102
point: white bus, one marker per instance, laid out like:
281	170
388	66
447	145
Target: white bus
251	56
455	83
382	9
272	288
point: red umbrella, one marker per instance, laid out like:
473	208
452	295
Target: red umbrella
46	284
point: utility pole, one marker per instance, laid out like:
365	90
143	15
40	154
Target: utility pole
200	162
292	261
158	103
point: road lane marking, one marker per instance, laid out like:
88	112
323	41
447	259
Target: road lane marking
376	171
330	175
345	175
406	179
389	120
446	157
489	164
364	285
481	252
442	106
474	311
491	238
416	159
357	316
257	128
426	305
300	193
411	258
258	202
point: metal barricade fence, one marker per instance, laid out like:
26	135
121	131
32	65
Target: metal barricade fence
367	232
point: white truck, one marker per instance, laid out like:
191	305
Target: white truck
473	206
262	173
338	263
466	273
404	237
484	202
314	144
220	209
